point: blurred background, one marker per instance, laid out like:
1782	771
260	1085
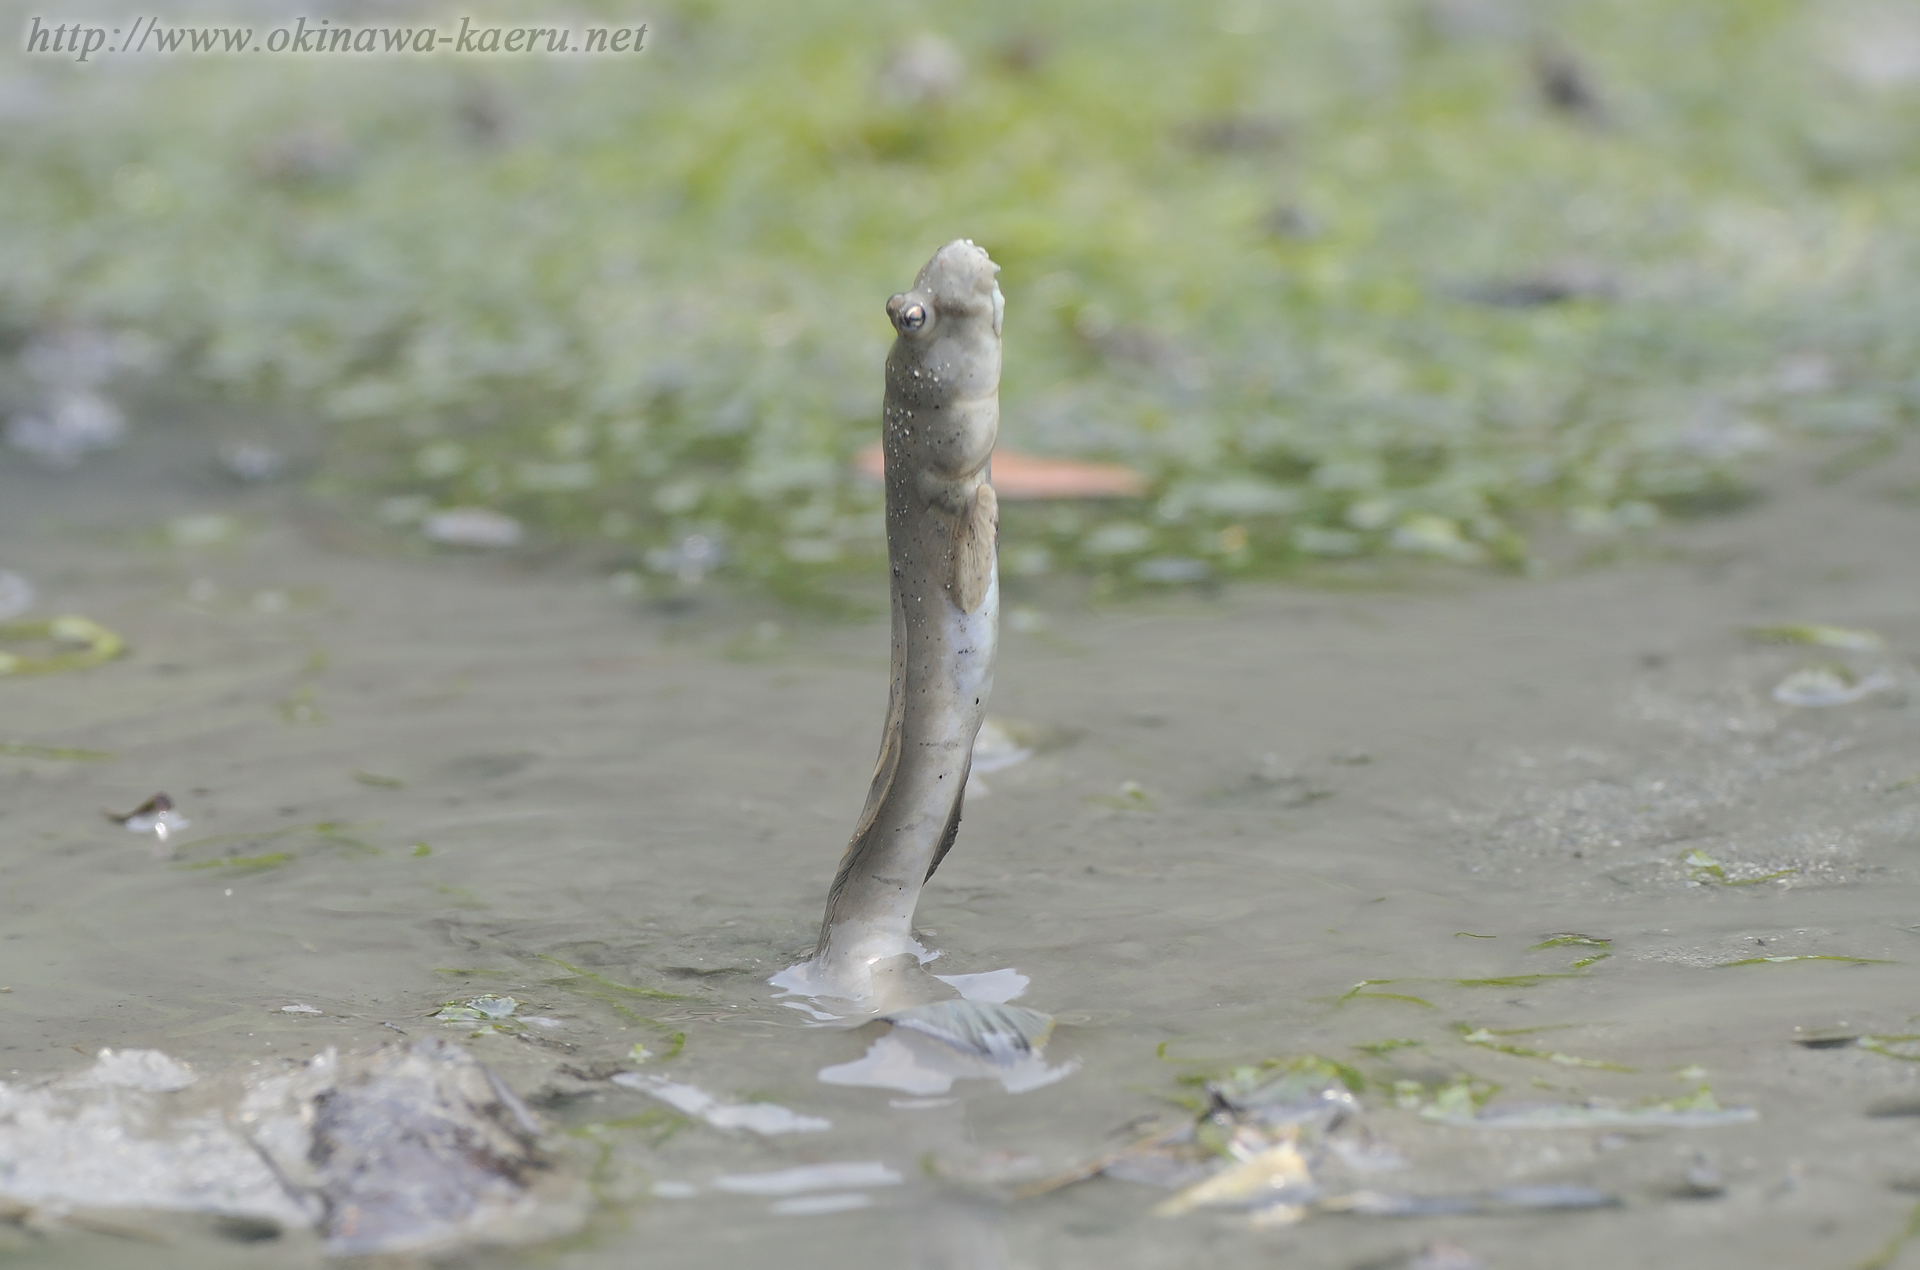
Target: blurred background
1383	280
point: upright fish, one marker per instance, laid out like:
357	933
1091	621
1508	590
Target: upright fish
942	413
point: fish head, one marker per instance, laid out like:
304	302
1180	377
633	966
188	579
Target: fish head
955	295
948	345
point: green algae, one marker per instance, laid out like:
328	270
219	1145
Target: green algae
1359	992
615	996
1164	1052
1696	1110
1890	1251
652	994
1490	1039
1281	1080
64	643
634	302
1459	1099
302	706
1812	633
1570	939
1905	1047
1524	1031
220	839
490	1010
1775	876
333	833
1369	989
61	753
249	863
1705	869
1704	866
336	833
655	1125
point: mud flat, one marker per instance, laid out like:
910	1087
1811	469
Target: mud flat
1555	836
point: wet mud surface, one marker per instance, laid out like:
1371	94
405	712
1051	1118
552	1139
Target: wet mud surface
412	782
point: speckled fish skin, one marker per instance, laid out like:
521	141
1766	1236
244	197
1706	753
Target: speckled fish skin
942	415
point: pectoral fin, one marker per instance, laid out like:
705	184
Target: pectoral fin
976	535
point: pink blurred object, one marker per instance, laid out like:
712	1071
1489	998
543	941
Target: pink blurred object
1030	476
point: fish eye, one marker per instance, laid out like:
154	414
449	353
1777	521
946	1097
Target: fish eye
913	317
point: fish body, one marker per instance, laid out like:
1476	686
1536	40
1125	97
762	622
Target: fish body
941	417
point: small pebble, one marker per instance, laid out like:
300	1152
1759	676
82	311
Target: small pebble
251	461
16	595
925	69
474	527
696	556
1444	1254
1172	570
1703	1181
69	424
1828	686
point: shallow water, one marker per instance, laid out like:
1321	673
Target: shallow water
1242	805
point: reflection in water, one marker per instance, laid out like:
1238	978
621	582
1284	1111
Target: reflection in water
16	595
915	1063
819	1205
997	986
764	1118
977	1036
809	1177
950	1233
